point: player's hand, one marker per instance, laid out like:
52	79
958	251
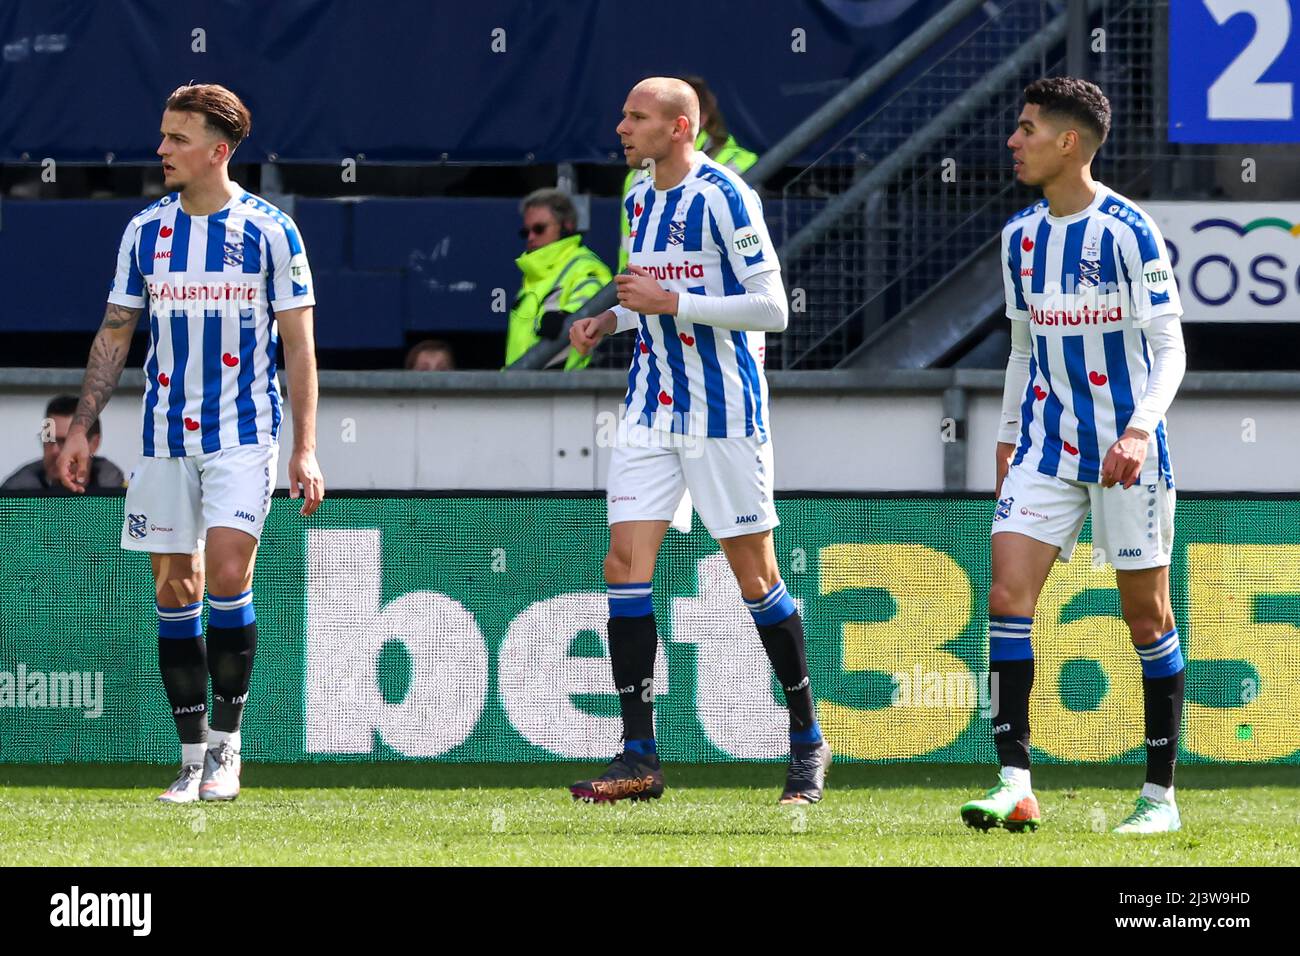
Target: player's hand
585	334
641	292
1006	451
1123	464
304	472
73	466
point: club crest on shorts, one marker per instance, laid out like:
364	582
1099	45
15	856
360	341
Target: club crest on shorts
135	525
1004	508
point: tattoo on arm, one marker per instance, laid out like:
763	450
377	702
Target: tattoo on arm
119	316
107	356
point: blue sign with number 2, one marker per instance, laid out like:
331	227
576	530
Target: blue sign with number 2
1234	71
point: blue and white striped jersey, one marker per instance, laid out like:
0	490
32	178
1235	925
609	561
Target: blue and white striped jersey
1087	284
705	236
211	286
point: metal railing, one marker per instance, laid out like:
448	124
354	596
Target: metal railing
883	218
616	352
924	181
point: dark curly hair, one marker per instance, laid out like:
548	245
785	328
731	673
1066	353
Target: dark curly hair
1072	99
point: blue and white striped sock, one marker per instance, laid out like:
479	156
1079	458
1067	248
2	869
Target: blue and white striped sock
184	621
234	611
773	607
630	600
1164	658
1009	638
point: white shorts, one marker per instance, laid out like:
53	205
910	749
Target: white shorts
1133	527
172	502
656	476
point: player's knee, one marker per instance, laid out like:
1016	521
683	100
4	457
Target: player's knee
1008	601
227	578
1146	628
179	590
754	587
618	566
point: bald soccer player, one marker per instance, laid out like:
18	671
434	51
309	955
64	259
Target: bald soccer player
703	286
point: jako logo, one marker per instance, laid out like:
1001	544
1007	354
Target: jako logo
746	519
1001	728
103	909
1129	553
1162	742
246	516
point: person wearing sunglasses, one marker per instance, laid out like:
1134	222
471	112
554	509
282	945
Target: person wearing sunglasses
560	275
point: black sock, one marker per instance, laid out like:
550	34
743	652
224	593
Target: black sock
632	645
784	643
1014	680
1162	699
781	630
232	643
184	668
1011	678
1163	679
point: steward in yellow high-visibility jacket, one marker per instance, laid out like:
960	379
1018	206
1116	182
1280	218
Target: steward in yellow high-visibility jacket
560	275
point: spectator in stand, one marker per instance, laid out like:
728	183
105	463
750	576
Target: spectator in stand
431	355
41	477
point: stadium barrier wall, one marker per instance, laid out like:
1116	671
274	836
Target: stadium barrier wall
859	430
469	628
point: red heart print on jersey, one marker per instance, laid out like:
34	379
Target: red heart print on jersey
191	424
1026	243
665	398
163	380
1070	448
686	339
230	360
165	231
1097	378
1039	394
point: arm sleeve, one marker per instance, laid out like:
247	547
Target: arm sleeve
1168	363
1152	288
625	319
1017	308
761	308
288	275
1017	381
128	287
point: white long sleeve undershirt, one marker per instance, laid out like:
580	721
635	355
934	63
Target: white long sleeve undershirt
761	308
1168	364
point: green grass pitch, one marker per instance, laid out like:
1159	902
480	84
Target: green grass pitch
440	814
